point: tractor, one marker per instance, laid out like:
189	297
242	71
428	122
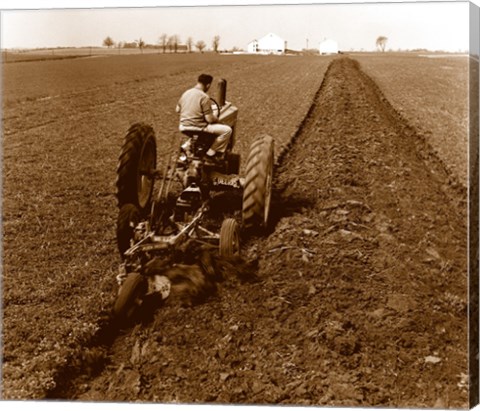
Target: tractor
162	210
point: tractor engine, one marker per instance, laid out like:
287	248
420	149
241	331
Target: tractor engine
189	201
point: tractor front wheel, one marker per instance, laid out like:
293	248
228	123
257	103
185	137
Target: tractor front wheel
229	238
257	191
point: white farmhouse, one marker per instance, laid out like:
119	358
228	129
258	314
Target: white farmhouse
328	46
270	44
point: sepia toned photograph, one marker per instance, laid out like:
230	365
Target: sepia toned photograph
240	203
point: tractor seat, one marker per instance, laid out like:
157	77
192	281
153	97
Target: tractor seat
200	135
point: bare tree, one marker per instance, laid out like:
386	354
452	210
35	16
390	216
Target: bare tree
120	46
108	42
173	43
176	42
216	43
163	41
200	45
189	44
140	43
381	43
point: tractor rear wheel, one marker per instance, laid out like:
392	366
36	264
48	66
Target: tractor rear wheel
130	296
229	238
128	218
257	191
136	164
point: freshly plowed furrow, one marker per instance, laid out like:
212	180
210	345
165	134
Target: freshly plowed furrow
362	292
376	255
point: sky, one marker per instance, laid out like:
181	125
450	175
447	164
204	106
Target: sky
354	25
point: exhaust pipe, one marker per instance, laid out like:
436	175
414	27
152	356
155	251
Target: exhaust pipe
222	92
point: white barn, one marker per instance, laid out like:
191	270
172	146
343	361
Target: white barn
328	46
270	44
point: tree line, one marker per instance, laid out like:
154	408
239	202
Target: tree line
171	43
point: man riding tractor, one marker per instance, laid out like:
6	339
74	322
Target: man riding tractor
196	114
157	222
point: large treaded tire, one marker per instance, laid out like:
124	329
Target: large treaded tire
229	238
137	157
131	294
128	219
257	191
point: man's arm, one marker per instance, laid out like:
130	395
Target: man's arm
211	118
208	113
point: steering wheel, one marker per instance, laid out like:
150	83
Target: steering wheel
216	106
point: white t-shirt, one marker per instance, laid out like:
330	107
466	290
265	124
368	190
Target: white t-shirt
194	105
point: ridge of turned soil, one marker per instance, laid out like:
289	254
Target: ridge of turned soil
362	291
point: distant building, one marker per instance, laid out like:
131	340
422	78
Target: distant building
328	46
270	44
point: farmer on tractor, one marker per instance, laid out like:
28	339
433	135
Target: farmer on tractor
196	114
157	227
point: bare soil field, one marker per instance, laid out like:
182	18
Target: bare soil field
63	126
357	295
35	55
432	93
